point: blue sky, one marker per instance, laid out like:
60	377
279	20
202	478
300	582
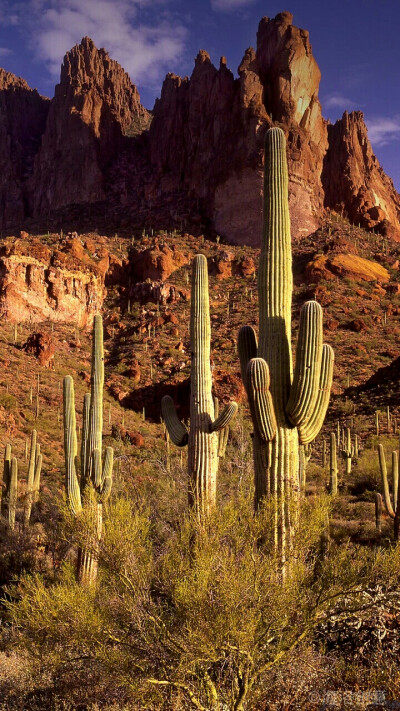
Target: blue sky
355	43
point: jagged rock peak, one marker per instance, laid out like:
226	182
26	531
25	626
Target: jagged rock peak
87	69
94	107
9	80
354	182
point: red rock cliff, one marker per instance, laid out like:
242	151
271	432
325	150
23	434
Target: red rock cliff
94	105
207	132
353	180
23	115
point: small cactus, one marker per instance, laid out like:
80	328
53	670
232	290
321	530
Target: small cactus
392	506
348	450
333	467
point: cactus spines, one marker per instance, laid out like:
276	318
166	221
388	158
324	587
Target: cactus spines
90	492
333	468
299	401
393	509
202	437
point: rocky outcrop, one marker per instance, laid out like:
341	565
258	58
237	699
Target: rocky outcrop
354	182
155	263
38	284
94	107
23	115
207	133
199	162
325	268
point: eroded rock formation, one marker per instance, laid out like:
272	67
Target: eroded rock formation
353	181
200	161
38	284
94	106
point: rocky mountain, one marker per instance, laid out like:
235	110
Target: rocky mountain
95	104
23	114
200	158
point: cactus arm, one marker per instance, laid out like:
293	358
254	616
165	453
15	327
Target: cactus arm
223	441
85	440
13	493
176	429
385	483
304	390
260	400
247	349
226	416
70	447
308	432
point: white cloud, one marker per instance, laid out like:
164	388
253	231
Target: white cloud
5	52
338	101
383	129
143	39
227	5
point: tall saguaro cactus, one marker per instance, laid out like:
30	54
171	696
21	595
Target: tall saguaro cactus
287	408
86	497
202	439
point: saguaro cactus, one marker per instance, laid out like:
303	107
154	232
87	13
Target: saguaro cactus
287	409
88	495
202	438
348	450
33	481
393	509
333	467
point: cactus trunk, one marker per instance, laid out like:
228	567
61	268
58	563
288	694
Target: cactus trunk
204	440
203	444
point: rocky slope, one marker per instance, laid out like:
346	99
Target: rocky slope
200	159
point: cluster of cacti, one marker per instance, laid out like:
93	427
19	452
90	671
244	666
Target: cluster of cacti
286	408
392	505
94	487
9	488
202	438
